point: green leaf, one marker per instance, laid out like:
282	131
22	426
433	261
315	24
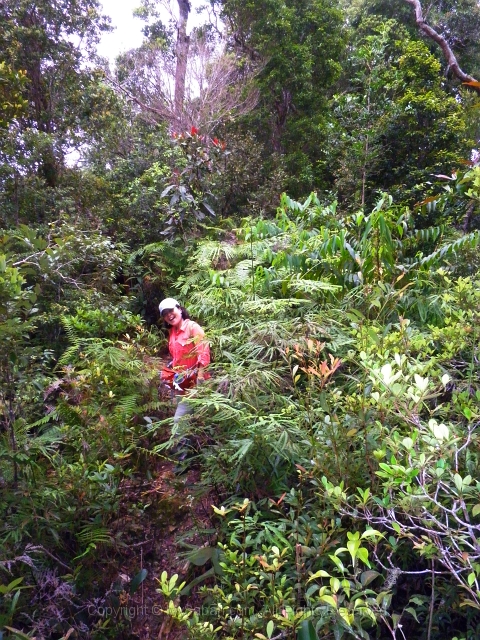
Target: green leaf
311	590
200	556
368	576
307	631
458	482
319	574
329	600
270	628
14	601
337	561
335	584
412	612
18	634
137	580
10	586
353	547
396	527
476	510
363	555
172	582
371	533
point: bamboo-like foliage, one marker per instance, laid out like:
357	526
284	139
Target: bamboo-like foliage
344	359
332	338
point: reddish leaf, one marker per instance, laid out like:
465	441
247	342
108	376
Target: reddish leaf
427	201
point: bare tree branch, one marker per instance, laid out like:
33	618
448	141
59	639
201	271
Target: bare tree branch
160	113
218	86
444	46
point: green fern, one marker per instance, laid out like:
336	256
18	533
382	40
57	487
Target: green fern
94	534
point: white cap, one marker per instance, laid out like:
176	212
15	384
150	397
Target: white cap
168	303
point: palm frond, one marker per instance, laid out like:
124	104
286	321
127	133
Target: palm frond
470	241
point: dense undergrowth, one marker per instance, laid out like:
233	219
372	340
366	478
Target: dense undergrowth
331	488
339	430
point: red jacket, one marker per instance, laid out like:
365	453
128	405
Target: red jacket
187	346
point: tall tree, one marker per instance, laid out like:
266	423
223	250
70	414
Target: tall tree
301	43
184	78
443	43
183	44
12	103
450	27
215	88
49	43
394	123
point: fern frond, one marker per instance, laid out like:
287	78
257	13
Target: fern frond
300	284
241	274
156	405
147	250
67	323
93	534
128	406
210	252
49	417
188	282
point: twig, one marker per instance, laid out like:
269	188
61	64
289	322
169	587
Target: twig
432	602
31	549
140	544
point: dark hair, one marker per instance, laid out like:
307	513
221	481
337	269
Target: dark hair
185	316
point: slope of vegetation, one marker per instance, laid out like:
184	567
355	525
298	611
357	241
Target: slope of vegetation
331	488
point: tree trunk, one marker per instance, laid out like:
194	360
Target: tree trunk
183	44
39	96
283	106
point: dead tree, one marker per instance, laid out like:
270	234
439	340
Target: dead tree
183	45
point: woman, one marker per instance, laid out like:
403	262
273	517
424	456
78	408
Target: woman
189	350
